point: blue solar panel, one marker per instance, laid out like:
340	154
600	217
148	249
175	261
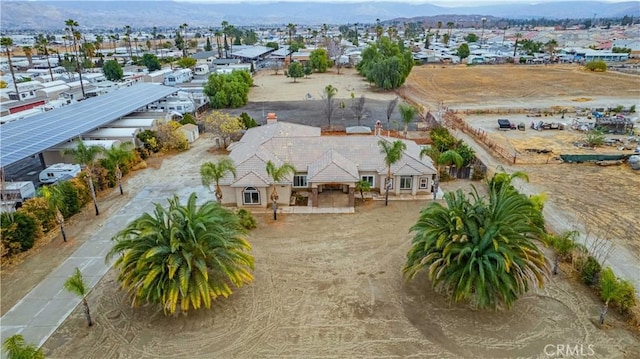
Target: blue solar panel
32	135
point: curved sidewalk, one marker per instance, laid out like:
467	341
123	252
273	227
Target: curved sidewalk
38	314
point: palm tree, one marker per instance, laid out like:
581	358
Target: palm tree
182	256
610	289
127	32
390	107
329	95
43	43
438	31
76	285
277	174
7	42
117	156
392	154
75	35
363	186
17	348
86	156
477	251
450	26
214	172
55	199
183	27
218	35
515	46
408	113
292	29
154	33
564	245
550	47
440	159
225	32
28	52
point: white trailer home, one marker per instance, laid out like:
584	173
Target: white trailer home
156	76
143	123
178	77
124	134
13	194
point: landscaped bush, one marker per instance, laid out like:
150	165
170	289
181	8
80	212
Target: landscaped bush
170	138
589	270
71	198
248	121
149	140
82	189
19	232
246	219
39	209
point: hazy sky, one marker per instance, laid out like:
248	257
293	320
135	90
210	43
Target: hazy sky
447	3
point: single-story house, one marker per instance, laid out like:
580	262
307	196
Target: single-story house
322	163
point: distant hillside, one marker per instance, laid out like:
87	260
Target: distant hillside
109	14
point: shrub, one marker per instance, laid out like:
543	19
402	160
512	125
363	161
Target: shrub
82	189
246	219
149	140
589	270
597	66
170	138
71	198
626	297
39	209
19	232
187	119
248	121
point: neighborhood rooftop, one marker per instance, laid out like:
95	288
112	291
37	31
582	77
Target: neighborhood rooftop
32	135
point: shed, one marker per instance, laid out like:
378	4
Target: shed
52	92
190	131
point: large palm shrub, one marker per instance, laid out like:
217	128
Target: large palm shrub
182	257
477	251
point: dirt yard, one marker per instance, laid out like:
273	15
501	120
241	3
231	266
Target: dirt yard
330	285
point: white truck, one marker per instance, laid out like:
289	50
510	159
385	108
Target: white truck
13	194
58	172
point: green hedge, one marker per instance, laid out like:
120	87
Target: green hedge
19	232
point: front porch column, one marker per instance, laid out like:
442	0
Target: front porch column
314	197
352	195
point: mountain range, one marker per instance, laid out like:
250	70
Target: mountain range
50	15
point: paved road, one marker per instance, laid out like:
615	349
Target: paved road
45	307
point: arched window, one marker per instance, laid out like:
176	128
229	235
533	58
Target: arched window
250	195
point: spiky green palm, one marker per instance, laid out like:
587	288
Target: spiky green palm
213	172
118	156
86	155
477	251
16	348
182	256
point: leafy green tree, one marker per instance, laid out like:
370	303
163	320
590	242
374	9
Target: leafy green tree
86	155
319	60
278	174
596	66
151	62
363	186
112	70
76	285
294	71
229	90
182	257
463	51
272	44
187	119
117	157
613	289
308	69
385	64
392	154
477	251
250	37
207	46
213	172
16	348
564	245
19	232
186	62
224	125
471	38
408	114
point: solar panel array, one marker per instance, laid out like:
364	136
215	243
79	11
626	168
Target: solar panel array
32	135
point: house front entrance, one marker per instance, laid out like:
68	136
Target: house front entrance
333	195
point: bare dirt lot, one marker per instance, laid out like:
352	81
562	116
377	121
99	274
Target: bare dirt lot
330	285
